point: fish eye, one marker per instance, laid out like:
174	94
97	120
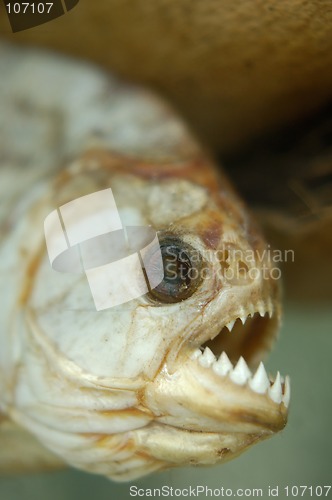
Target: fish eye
182	265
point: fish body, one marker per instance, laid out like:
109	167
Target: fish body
172	377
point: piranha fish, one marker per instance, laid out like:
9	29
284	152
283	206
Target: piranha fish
170	378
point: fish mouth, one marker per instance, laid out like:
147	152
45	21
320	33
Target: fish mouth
217	400
235	353
218	383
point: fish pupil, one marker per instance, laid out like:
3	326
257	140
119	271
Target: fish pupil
177	266
180	273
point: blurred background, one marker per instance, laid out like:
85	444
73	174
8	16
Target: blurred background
233	69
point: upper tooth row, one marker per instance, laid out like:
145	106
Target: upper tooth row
240	374
244	318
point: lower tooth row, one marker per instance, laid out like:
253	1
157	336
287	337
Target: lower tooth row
240	374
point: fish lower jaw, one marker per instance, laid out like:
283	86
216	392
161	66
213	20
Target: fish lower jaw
277	389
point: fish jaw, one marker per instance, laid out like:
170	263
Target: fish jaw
204	418
211	396
208	410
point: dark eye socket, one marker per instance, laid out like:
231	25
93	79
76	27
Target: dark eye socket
181	272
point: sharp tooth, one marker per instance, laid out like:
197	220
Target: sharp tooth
287	391
223	365
241	372
241	311
260	381
207	358
243	319
275	391
261	309
270	308
252	310
230	325
196	354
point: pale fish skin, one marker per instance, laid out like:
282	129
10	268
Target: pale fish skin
125	391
